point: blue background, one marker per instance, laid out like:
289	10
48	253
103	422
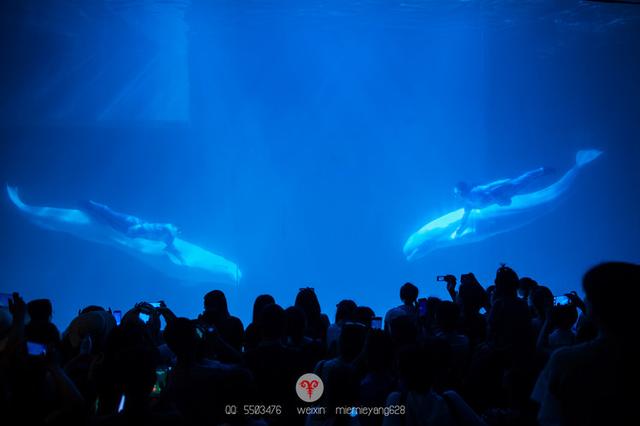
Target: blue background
307	140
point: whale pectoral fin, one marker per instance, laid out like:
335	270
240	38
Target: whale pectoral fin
459	233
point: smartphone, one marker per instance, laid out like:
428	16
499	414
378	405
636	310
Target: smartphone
4	299
422	307
118	316
155	304
440	277
144	317
121	404
36	349
161	381
561	300
376	323
483	311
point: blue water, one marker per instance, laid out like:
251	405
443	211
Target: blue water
305	141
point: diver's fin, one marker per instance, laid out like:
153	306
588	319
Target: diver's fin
586	156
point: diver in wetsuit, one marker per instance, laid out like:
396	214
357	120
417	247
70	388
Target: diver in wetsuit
134	227
498	192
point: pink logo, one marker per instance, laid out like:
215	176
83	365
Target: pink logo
309	387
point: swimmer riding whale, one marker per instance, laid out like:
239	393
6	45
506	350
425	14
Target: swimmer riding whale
155	244
492	209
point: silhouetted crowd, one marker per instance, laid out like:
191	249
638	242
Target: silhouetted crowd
507	354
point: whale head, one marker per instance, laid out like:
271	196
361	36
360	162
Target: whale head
439	233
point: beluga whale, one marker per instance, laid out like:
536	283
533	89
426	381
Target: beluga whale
493	209
156	245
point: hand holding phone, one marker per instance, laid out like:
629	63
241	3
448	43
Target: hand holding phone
561	300
446	278
161	381
376	323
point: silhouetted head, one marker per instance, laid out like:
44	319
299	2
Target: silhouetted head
506	282
471	296
447	316
564	316
364	315
42	332
40	310
97	324
432	307
462	189
345	310
612	292
216	302
308	302
409	293
260	302
91	308
272	322
526	286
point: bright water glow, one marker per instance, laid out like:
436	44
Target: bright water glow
303	142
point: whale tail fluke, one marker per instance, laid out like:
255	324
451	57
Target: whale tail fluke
12	191
586	156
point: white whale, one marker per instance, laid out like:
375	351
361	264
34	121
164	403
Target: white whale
494	219
195	265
